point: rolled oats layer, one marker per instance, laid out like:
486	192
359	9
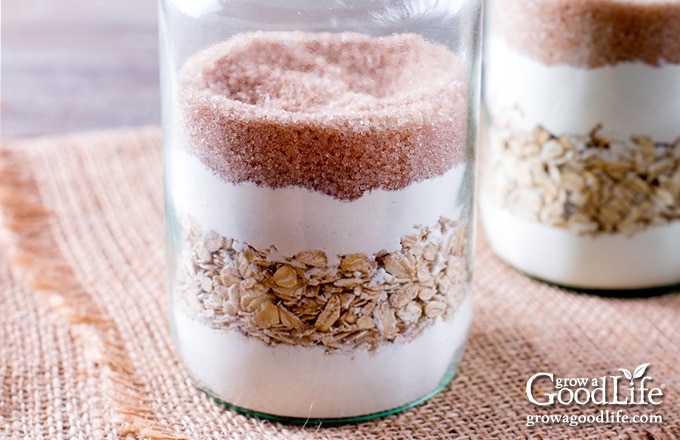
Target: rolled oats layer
340	302
585	183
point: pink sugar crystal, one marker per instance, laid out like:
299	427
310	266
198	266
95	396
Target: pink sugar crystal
341	114
591	33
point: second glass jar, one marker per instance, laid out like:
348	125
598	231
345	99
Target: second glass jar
581	164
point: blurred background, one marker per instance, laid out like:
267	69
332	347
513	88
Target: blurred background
77	65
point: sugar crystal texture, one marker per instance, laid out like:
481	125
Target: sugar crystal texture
562	31
340	114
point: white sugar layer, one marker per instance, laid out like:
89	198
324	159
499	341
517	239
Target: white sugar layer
308	382
631	98
649	258
296	219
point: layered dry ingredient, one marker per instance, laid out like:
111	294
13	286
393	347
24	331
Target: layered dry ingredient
322	192
583	152
313	299
586	184
318	112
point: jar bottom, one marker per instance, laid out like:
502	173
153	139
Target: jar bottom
304	384
450	374
615	262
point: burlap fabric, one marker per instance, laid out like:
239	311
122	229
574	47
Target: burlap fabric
85	350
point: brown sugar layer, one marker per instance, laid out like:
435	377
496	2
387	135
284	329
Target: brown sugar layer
591	33
340	114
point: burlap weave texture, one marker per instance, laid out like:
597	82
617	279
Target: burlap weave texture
85	351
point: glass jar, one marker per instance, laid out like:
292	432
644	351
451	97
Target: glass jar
319	167
580	176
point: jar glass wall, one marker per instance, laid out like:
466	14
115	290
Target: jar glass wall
319	166
581	163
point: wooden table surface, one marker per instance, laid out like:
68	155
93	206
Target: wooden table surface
78	65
